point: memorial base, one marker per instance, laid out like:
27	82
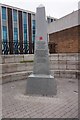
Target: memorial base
41	85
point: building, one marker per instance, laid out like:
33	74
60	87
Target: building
51	19
64	34
17	30
18	27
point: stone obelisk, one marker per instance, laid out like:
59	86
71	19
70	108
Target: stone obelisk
40	81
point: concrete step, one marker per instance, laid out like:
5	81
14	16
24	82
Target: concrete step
28	66
64	65
10	77
16	67
54	57
16	58
71	74
15	76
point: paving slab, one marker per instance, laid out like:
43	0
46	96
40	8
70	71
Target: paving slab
16	104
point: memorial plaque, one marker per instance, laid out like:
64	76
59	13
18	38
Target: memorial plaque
41	53
41	82
41	47
40	60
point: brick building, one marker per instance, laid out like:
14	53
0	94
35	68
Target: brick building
63	34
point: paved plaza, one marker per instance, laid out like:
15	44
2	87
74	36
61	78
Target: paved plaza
15	104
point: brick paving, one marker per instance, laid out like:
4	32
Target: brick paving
15	104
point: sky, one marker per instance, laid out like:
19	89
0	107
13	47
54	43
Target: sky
54	8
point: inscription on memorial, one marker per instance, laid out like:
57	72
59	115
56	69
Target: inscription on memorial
41	53
41	60
41	45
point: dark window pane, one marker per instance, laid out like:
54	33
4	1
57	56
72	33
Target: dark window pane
15	15
25	18
4	33
15	34
33	31
51	20
4	13
25	36
15	30
25	26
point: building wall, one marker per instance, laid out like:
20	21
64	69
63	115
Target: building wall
64	34
19	30
12	21
66	41
68	21
10	29
0	34
79	30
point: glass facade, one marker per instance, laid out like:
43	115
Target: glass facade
15	31
25	31
15	15
33	30
3	13
10	32
4	31
15	35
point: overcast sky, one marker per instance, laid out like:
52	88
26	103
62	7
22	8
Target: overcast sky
54	8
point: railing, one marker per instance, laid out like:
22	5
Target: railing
17	48
23	48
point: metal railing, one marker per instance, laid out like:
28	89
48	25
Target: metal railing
23	48
17	48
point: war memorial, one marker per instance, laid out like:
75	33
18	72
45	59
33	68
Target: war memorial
39	85
41	81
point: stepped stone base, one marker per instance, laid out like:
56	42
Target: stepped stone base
14	76
23	75
41	85
11	68
10	77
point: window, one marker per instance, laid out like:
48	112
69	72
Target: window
33	30
15	26
4	30
15	31
15	40
25	26
15	35
4	13
15	15
25	17
34	23
51	20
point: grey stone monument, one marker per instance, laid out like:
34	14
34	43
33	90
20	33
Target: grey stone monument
40	82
